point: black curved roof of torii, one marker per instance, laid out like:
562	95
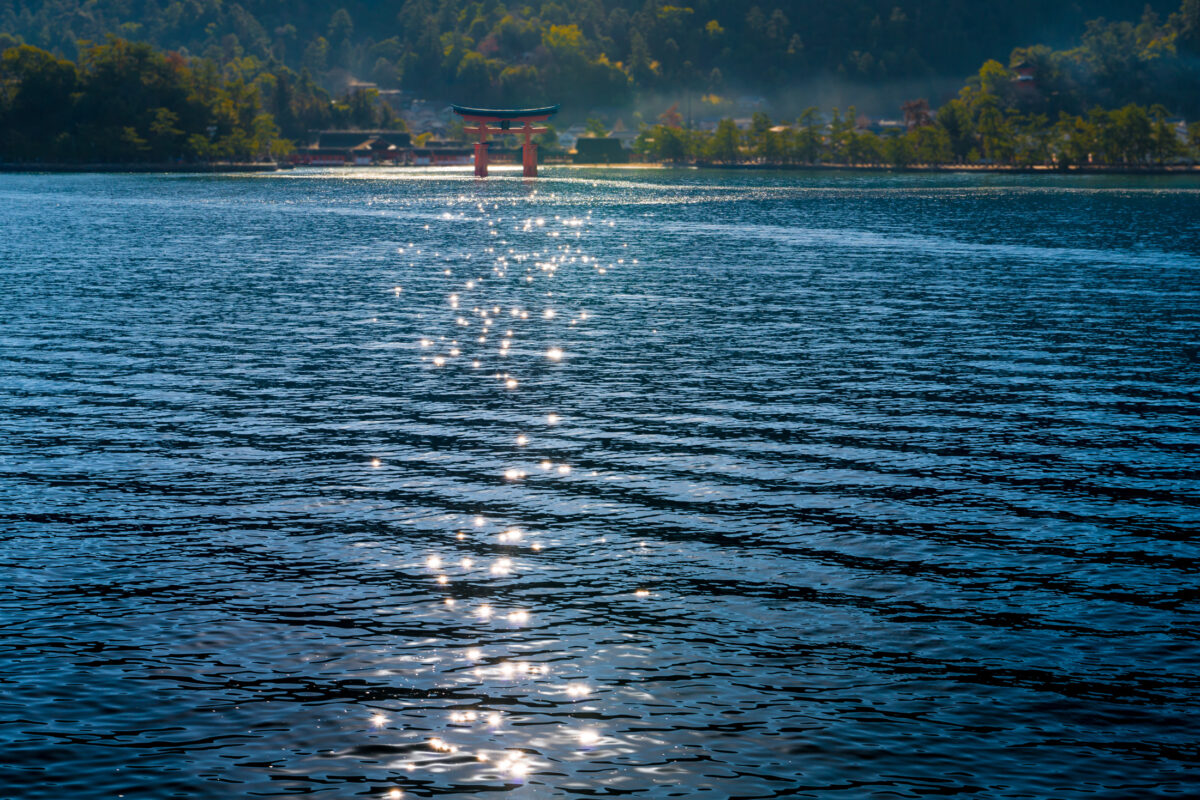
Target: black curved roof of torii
505	113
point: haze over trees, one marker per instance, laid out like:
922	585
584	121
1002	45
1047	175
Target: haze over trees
602	53
244	80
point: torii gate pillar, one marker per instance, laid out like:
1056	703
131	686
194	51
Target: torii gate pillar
481	157
499	122
529	158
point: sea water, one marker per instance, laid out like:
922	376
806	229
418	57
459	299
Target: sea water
383	483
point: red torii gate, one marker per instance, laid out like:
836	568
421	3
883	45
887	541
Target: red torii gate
503	119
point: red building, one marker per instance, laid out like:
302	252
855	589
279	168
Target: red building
1026	73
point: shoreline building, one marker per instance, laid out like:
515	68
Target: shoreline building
356	148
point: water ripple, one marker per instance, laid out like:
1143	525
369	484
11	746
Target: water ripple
363	484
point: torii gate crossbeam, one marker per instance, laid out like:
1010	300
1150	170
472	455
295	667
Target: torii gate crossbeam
499	121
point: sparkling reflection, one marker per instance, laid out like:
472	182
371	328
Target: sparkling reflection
835	498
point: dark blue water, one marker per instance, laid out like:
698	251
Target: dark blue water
856	486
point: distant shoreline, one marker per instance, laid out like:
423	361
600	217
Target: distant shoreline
1106	169
1190	169
144	167
260	167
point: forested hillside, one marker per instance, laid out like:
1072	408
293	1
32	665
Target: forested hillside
125	103
202	80
600	52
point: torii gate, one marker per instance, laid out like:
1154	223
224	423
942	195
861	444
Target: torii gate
503	118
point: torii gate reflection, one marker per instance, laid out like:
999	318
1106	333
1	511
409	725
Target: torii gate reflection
503	119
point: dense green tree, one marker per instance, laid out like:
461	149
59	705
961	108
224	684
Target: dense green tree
127	102
520	85
36	98
769	147
473	78
316	56
1077	138
232	89
955	119
663	143
340	37
898	149
1032	140
995	136
841	133
1165	144
932	145
1131	134
854	152
592	54
809	139
870	148
725	143
1187	24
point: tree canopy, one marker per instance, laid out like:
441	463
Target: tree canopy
603	52
246	79
127	102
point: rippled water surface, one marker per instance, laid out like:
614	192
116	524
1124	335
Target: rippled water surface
662	484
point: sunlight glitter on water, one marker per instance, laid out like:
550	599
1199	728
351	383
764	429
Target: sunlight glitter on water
497	301
848	486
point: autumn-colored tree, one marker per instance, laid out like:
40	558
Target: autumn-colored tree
671	117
